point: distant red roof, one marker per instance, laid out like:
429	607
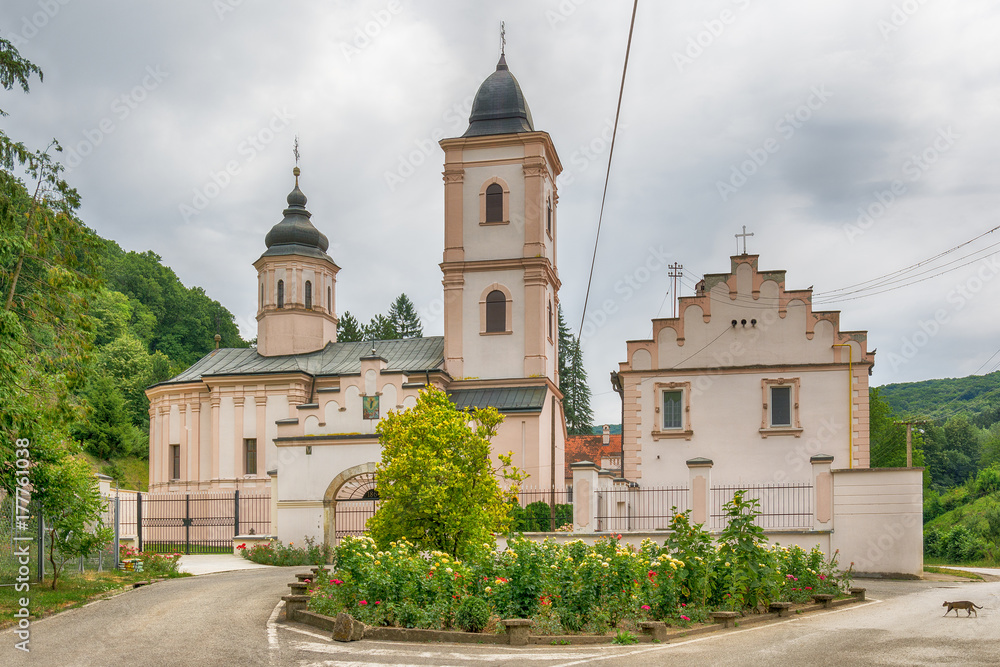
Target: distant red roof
590	448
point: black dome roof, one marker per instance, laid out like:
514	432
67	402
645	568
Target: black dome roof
295	234
499	107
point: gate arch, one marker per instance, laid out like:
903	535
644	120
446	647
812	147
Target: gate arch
349	501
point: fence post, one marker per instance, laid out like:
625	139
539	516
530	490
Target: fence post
700	475
138	518
236	513
187	523
823	491
584	496
117	531
40	523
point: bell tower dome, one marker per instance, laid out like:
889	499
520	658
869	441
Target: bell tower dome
296	284
500	280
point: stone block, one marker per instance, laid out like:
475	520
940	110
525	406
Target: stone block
347	629
781	608
726	619
517	631
655	629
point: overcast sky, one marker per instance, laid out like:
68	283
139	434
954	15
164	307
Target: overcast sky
788	117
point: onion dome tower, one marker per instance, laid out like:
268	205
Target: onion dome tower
296	284
500	280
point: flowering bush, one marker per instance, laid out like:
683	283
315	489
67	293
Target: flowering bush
276	553
575	587
157	565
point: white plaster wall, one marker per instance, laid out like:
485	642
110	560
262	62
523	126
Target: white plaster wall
725	419
277	408
387	401
297	522
250	418
493	356
493	241
175	425
205	441
878	520
227	420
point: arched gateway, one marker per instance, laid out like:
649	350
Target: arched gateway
350	500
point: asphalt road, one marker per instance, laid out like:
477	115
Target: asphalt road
232	619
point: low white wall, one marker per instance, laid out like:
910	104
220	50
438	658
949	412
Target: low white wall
878	520
807	539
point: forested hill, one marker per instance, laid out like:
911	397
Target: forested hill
977	395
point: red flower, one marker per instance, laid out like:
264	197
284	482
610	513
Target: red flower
363	602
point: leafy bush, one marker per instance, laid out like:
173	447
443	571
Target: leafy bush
988	481
276	553
472	614
536	517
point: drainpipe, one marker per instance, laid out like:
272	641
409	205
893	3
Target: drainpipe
850	402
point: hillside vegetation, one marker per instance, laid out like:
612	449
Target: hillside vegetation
978	396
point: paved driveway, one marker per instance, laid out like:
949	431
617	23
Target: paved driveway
232	619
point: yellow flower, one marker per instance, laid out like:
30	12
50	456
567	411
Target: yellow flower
377	563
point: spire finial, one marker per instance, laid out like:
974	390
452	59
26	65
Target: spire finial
503	39
295	151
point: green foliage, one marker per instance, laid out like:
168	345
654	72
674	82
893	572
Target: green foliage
276	553
154	564
978	395
888	436
404	319
573	382
106	430
745	579
437	482
625	637
472	614
349	330
401	321
536	517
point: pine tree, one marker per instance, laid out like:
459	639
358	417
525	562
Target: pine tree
404	319
349	330
573	382
380	328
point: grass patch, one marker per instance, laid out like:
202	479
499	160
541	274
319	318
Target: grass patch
956	573
74	589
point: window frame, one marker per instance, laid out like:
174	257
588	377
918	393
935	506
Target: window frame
505	202
308	295
250	450
175	463
508	311
660	430
794	427
281	294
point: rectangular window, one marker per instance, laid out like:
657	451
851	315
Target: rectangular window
250	456
175	461
781	406
673	415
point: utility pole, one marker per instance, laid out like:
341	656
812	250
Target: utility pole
675	271
909	438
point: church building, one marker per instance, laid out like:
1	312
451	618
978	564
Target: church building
298	413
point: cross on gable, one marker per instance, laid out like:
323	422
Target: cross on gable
744	236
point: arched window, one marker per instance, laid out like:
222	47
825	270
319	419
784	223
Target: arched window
309	294
281	294
329	299
494	203
496	312
548	217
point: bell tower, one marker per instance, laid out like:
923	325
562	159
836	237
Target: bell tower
500	280
296	284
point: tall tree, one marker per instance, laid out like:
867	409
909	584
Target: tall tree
404	319
573	382
380	328
887	436
349	330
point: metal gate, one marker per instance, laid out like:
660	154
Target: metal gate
200	523
356	502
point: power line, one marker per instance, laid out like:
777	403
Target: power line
607	175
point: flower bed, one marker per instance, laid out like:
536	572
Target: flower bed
276	553
575	587
155	565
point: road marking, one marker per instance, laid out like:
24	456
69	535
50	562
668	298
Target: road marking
306	632
463	658
663	647
272	633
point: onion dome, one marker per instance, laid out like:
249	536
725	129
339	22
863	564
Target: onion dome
295	234
499	107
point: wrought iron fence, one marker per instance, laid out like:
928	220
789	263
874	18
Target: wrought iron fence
639	508
781	505
200	522
542	509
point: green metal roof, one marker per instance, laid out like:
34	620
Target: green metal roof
504	399
407	355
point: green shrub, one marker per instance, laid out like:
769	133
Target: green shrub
472	614
988	481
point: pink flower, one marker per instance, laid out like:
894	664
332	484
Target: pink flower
809	588
683	604
363	602
685	618
646	607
